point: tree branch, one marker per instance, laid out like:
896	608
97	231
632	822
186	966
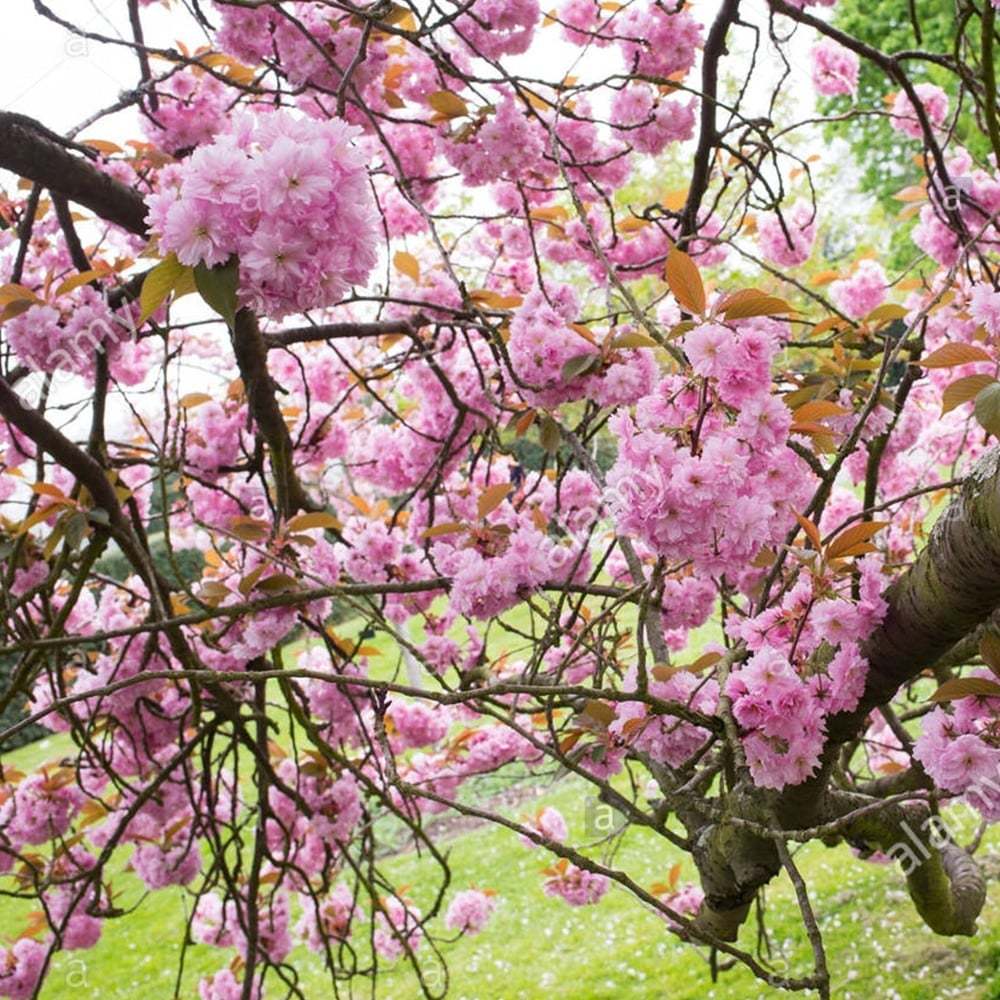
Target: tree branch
31	150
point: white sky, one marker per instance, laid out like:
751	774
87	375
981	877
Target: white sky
60	79
52	75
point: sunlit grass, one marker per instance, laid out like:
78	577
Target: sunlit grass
539	947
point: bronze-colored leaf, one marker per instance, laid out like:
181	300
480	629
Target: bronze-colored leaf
853	535
492	497
949	355
964	390
966	687
406	264
685	282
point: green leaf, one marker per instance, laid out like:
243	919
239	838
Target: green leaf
76	529
158	284
217	286
633	339
579	364
988	408
550	435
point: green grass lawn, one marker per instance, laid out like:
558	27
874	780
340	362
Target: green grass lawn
537	947
540	947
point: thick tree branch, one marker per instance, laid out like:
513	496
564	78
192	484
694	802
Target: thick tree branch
945	883
952	587
343	331
30	150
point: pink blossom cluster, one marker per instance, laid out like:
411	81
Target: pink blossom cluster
170	863
40	808
506	144
984	307
192	110
582	22
904	117
416	724
957	748
860	293
787	240
470	911
719	499
21	968
685	900
337	707
213	442
64	337
578	886
970	193
312	49
806	665
219	924
68	911
67	905
495	28
328	919
666	739
224	985
657	40
489	579
782	722
312	840
591	163
288	197
649	123
834	69
398	928
549	822
399	457
543	341
936	238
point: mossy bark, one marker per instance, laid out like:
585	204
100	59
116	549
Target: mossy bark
952	587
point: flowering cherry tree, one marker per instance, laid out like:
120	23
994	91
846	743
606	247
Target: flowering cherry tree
441	389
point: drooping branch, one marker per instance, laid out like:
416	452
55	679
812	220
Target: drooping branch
946	885
890	65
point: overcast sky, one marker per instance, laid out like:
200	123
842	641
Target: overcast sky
61	79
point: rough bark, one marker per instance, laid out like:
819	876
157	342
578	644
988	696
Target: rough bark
945	883
952	588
